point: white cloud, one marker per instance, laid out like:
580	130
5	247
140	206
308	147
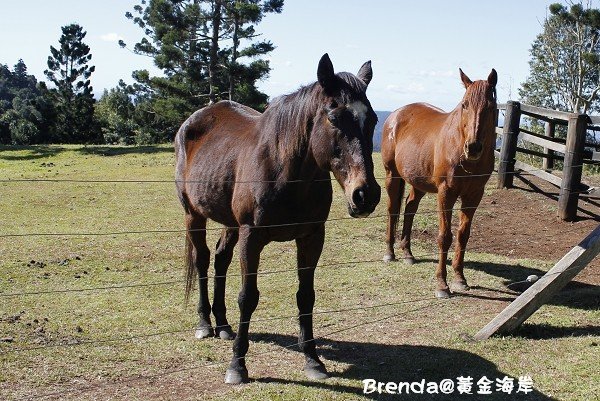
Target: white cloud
447	73
111	37
413	87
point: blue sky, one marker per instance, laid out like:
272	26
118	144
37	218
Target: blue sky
416	47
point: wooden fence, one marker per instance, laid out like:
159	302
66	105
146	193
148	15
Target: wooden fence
571	150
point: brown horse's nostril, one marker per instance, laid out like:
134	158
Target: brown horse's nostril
475	148
359	197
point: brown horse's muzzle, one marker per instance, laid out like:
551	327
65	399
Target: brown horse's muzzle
473	151
364	199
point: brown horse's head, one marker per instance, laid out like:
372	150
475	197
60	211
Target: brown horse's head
342	136
477	115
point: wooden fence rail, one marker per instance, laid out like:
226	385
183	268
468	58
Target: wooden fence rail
571	150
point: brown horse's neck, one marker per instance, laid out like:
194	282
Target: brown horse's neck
285	132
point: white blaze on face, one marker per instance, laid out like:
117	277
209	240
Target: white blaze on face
359	109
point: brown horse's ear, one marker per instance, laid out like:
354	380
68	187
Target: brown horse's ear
465	80
325	73
493	78
365	73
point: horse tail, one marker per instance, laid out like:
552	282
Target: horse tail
190	271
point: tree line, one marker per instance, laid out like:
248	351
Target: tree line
207	50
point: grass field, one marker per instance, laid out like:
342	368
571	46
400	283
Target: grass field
137	342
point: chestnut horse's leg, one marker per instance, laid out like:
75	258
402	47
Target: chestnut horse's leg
468	206
251	244
412	205
223	255
446	200
309	251
200	256
394	186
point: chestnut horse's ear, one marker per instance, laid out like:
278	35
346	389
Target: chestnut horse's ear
465	80
493	78
365	73
325	73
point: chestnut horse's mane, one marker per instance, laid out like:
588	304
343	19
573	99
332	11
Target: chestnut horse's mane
289	118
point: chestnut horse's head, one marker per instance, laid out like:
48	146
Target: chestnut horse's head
342	136
478	115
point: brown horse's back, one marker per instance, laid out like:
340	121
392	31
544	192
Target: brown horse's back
207	148
408	143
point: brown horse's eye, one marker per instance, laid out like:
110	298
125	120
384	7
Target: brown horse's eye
332	118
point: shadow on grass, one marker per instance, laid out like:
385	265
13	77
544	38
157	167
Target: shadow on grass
35	152
590	214
44	151
401	363
124	150
575	295
547	332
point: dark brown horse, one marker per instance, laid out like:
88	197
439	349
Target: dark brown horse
265	177
451	154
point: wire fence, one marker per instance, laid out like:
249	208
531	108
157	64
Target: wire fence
193	181
333	265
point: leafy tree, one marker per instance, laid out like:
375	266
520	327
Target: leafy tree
197	45
70	72
565	60
25	114
114	112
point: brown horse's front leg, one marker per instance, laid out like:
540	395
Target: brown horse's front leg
412	205
468	207
251	244
394	186
446	201
309	251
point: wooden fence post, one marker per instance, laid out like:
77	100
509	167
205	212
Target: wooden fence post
570	186
510	135
548	163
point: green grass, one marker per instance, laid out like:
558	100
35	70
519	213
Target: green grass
558	346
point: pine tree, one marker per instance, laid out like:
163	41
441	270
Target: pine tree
197	45
70	72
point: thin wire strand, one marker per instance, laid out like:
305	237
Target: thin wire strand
114	233
172	181
336	264
131	379
101	341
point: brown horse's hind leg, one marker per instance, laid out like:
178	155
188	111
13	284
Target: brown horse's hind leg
200	259
468	207
446	201
309	251
412	205
223	255
394	186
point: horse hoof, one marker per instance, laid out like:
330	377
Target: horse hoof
316	371
409	260
225	333
204	332
442	294
233	376
389	258
460	286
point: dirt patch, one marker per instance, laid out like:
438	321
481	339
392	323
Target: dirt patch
522	223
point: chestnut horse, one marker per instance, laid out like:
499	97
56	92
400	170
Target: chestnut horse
451	154
265	177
